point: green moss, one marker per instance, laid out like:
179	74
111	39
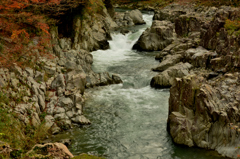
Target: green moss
232	26
18	135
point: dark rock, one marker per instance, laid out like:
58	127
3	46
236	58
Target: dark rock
124	31
116	79
212	75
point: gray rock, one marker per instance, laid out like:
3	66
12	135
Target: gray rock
76	81
81	120
35	120
116	79
49	121
59	81
58	110
166	78
50	69
170	60
155	38
41	102
15	83
61	116
39	76
65	103
29	71
136	17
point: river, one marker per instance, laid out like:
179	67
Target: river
128	120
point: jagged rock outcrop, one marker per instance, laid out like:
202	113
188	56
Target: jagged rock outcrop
206	114
165	79
129	18
204	103
52	92
155	38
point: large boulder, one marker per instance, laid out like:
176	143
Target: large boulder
206	113
129	18
166	78
199	57
185	24
155	38
136	17
169	61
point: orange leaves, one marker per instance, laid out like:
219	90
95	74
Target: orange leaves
21	28
44	27
20	35
21	4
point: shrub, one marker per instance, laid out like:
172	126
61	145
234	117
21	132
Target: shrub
232	26
17	134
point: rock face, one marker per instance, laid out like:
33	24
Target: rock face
166	78
201	66
155	38
205	116
129	18
52	93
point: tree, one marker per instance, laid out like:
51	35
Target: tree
18	27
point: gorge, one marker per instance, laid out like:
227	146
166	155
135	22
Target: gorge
185	99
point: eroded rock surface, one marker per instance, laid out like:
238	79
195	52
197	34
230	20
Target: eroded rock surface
204	102
129	18
155	38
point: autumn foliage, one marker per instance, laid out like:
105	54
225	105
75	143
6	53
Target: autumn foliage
23	35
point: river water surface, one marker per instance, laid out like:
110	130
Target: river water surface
128	120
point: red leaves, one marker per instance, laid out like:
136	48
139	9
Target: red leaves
21	4
20	28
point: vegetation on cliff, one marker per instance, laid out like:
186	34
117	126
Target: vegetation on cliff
24	38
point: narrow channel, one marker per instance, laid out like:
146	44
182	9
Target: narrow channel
129	119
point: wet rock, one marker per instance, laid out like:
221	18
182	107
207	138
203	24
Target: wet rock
155	38
166	78
129	18
198	110
124	31
169	61
116	79
82	120
136	17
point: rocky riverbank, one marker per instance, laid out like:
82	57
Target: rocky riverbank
201	65
51	94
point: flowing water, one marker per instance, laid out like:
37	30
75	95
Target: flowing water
129	119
